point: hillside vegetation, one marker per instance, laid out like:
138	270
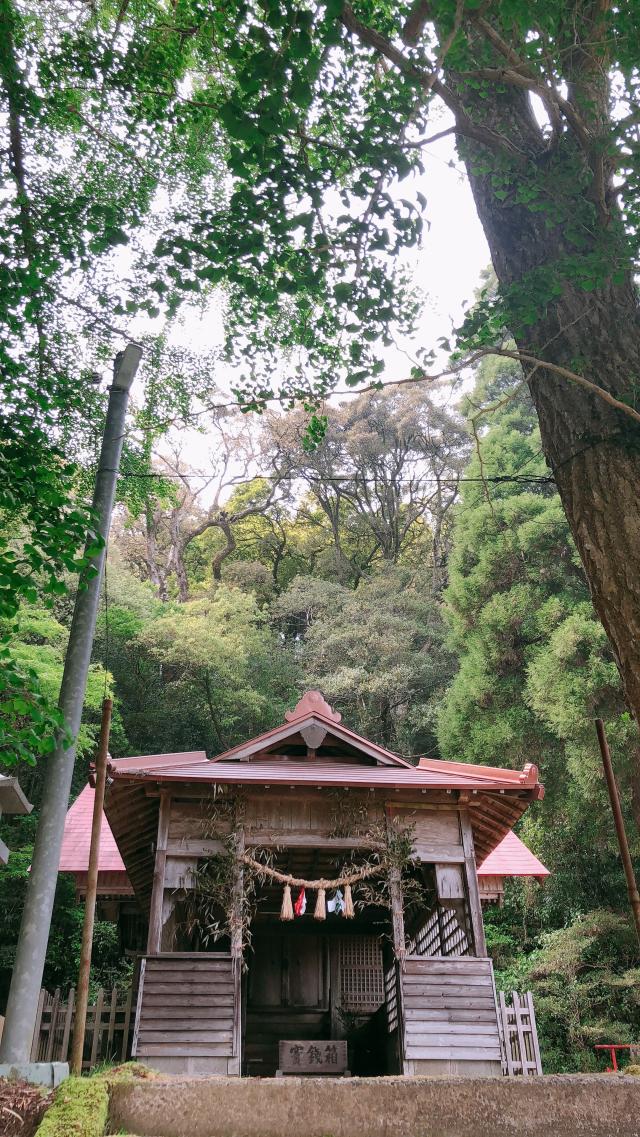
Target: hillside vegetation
421	573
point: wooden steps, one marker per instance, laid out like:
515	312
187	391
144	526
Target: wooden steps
185	1008
450	1011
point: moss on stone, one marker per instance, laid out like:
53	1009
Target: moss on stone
81	1105
80	1109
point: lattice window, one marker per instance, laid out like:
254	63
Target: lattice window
361	977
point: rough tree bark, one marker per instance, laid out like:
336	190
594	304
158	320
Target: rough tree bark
592	449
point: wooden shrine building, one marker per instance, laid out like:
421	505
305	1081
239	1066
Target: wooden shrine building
309	888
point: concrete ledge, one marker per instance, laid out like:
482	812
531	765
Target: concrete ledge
40	1073
571	1105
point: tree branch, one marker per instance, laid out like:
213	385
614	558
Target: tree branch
520	357
429	81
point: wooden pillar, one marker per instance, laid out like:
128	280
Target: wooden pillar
237	896
157	896
473	892
236	929
397	912
396	901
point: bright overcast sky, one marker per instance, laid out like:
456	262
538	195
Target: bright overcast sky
447	270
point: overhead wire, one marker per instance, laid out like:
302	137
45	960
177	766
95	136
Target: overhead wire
496	478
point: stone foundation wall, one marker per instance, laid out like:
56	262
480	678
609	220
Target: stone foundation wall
553	1106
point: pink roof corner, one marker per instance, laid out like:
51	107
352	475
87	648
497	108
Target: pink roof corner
74	856
512	858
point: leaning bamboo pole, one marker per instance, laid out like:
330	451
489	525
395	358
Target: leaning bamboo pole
618	820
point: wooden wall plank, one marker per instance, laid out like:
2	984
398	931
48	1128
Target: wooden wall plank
448	965
457	1054
188	1008
450	1010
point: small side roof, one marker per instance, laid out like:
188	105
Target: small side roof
74	856
512	858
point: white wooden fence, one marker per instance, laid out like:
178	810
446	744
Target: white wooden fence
521	1053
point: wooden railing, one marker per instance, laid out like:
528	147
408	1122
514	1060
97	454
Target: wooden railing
107	1035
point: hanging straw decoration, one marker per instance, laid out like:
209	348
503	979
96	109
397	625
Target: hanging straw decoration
321	906
348	911
286	911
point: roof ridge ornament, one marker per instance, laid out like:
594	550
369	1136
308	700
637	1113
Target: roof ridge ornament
312	703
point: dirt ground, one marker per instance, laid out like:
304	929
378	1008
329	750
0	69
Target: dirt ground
21	1108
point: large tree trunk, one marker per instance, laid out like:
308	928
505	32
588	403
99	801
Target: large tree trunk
593	449
157	578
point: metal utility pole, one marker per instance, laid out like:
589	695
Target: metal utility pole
614	797
82	993
36	919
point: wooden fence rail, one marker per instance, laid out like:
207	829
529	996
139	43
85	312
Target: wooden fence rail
108	1031
519	1035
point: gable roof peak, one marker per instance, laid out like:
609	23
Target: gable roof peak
312	702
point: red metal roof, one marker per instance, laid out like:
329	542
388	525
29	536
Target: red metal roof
512	858
435	775
77	836
342	759
159	761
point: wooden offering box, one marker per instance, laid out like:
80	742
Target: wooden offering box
320	1057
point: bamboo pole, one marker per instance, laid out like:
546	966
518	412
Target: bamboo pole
82	994
614	797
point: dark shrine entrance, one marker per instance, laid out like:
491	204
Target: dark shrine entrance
306	984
